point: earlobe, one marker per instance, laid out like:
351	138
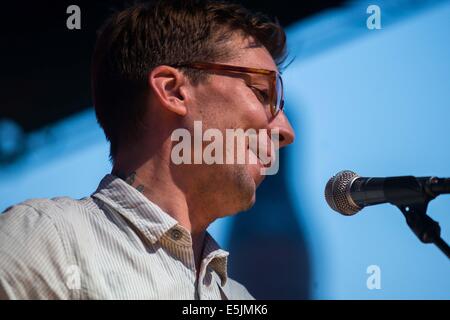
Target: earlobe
169	87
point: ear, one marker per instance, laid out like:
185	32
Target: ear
170	88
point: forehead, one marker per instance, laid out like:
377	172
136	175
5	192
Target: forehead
247	54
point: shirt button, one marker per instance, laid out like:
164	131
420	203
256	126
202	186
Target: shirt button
176	234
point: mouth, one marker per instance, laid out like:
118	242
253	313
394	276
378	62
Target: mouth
253	158
261	157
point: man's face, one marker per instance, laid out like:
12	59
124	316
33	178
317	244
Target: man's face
225	101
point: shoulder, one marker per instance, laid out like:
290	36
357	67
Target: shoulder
61	212
41	208
50	207
27	218
35	250
43	224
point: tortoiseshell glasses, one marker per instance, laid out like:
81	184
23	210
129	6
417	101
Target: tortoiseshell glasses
274	98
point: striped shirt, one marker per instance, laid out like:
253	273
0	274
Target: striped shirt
115	244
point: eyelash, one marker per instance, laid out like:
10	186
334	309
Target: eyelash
263	94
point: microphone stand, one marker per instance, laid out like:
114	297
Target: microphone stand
425	228
412	200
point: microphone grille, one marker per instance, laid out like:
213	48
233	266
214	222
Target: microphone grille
337	193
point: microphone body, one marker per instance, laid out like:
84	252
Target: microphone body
348	193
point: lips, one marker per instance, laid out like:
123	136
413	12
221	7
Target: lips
260	154
253	158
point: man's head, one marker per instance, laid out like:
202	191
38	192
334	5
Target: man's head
141	95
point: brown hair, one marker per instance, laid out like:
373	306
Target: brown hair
165	32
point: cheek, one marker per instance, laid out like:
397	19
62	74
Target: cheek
209	103
242	109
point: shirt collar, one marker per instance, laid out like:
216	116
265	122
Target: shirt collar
216	258
145	215
152	221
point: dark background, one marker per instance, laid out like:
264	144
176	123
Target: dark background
45	67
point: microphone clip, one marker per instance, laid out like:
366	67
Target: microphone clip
423	226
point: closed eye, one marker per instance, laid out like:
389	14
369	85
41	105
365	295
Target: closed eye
262	95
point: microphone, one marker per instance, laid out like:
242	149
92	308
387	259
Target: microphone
348	193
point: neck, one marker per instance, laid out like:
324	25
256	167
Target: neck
155	179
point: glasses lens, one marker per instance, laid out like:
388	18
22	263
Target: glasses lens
279	102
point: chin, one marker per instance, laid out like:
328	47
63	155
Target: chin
243	196
251	203
249	195
243	205
242	191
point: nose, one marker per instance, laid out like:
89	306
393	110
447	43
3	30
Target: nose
285	129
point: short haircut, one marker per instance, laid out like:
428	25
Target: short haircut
134	41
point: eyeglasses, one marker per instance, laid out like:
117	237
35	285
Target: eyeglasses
275	97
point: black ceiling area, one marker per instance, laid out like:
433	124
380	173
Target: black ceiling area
45	68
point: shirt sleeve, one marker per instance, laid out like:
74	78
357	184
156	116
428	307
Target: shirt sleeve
33	263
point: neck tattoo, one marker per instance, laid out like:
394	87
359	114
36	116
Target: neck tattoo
131	179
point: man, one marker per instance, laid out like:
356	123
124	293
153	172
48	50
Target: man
157	68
